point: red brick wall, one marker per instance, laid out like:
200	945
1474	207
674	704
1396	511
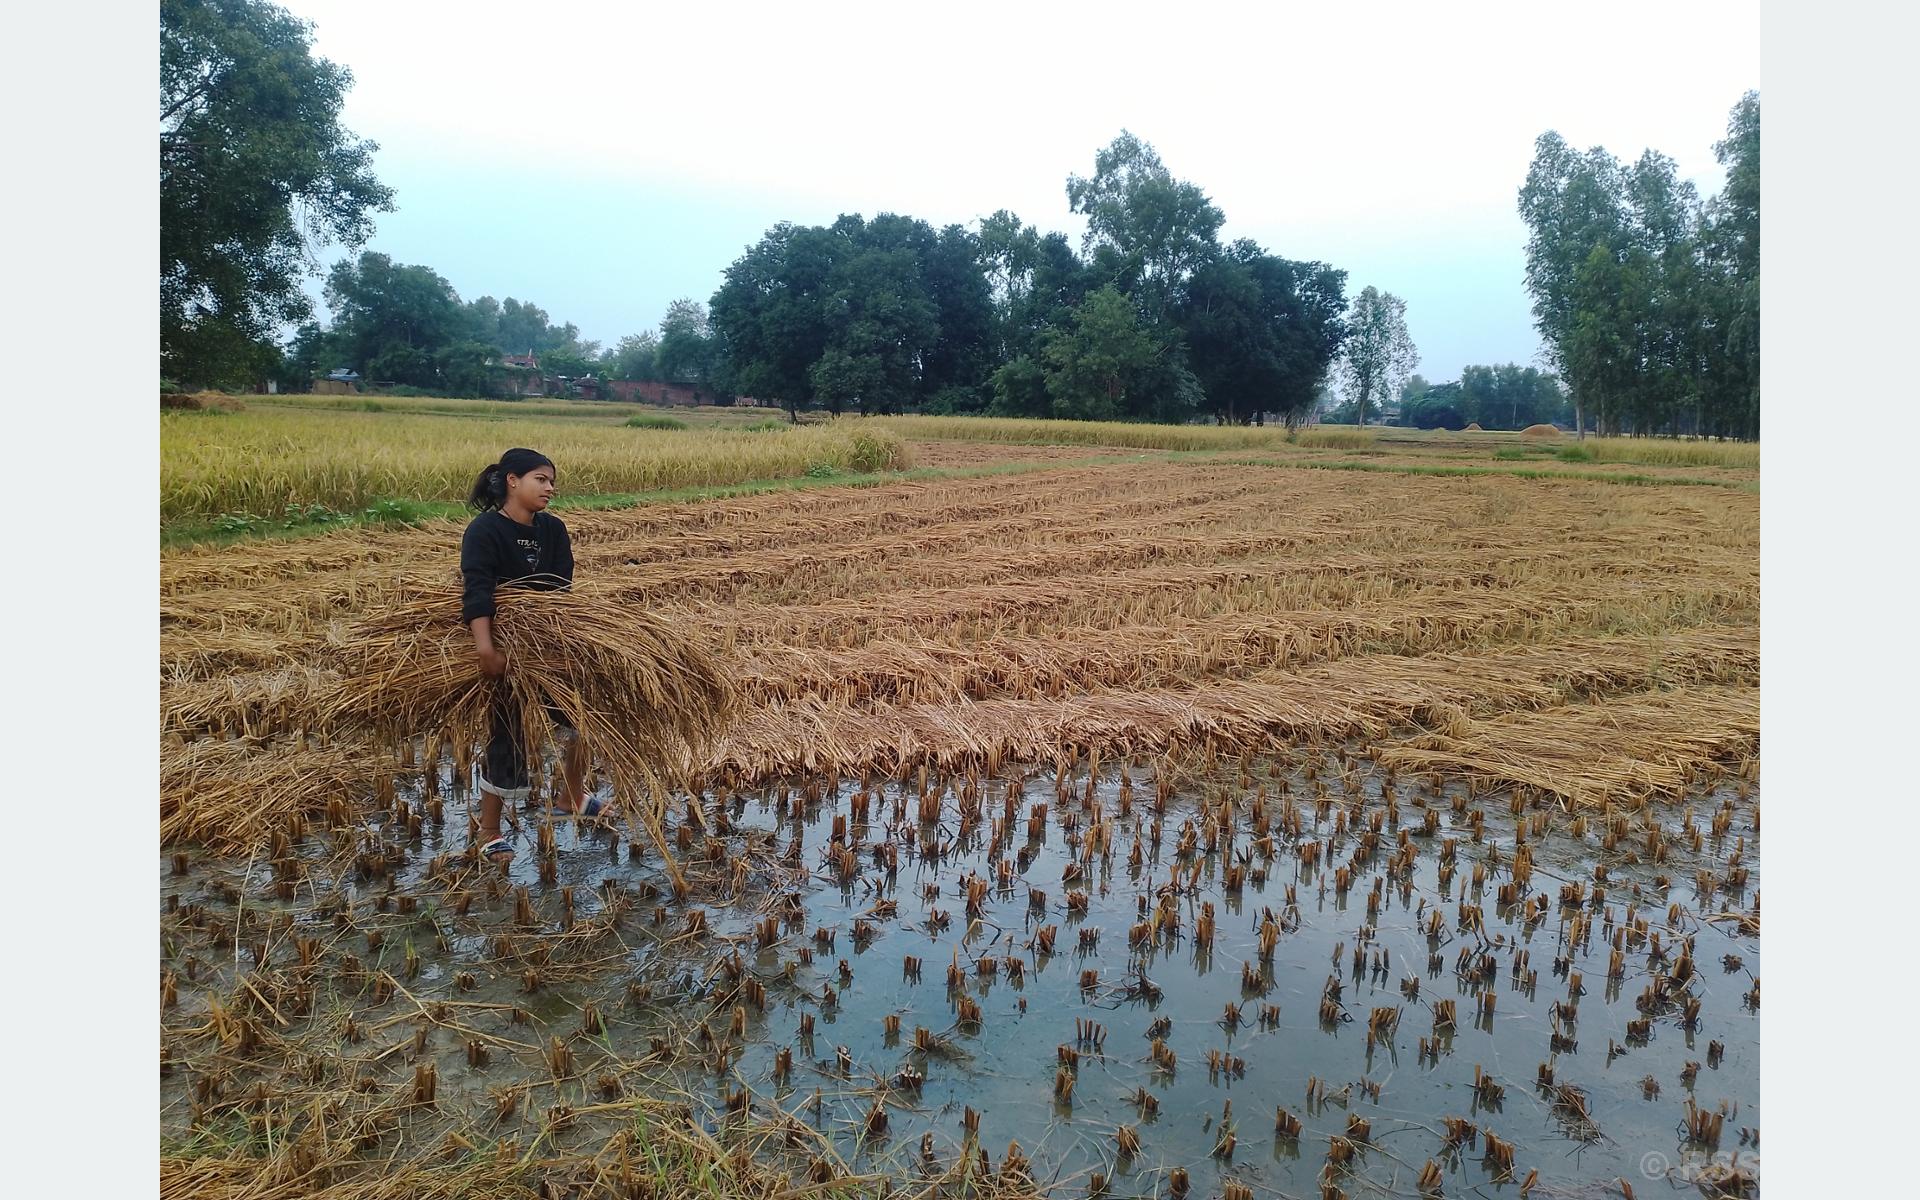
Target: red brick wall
638	391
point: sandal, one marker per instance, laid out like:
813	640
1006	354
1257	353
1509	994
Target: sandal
497	851
592	808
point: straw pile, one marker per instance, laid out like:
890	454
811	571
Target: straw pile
232	796
1633	748
646	698
1540	431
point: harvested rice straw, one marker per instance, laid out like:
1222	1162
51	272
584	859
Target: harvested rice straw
1632	747
644	697
233	797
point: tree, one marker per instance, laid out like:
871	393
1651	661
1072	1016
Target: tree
1107	365
635	356
1262	331
1730	325
1572	203
404	324
1379	352
770	311
1439	407
1510	396
686	342
1159	228
255	174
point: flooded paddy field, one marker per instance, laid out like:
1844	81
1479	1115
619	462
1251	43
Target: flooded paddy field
1291	976
351	1008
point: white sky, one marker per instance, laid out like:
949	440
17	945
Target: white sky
602	160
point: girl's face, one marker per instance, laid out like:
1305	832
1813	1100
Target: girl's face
535	489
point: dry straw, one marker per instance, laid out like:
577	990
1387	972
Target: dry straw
645	697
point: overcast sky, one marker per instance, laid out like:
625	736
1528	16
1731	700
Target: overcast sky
603	160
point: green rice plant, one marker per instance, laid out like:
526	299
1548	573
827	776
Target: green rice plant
653	421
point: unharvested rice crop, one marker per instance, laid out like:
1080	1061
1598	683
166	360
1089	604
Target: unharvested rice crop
1125	434
1674	452
263	460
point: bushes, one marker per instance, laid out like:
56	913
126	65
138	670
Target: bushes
653	421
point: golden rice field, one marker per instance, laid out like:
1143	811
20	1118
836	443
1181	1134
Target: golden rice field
1131	435
1315	678
263	459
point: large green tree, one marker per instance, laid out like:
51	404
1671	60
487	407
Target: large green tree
1730	328
1572	203
255	172
635	356
770	312
1379	353
400	323
686	342
1262	331
1648	298
1107	364
1158	228
1509	396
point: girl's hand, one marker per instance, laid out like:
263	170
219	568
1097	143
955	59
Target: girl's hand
493	664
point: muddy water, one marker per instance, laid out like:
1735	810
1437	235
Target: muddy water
1634	1084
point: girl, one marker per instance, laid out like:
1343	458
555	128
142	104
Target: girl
516	541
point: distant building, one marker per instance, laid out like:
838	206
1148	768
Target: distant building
522	376
652	391
341	381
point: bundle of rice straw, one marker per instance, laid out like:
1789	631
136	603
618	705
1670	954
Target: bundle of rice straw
645	698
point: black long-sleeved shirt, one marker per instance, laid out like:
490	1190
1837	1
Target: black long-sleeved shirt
497	549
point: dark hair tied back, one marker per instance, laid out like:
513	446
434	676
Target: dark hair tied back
490	487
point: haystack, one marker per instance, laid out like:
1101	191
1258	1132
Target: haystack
645	697
1540	431
1472	427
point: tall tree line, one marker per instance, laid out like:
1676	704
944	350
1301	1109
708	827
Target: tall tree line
1152	318
1648	298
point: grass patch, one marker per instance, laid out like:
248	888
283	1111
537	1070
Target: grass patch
653	421
1574	453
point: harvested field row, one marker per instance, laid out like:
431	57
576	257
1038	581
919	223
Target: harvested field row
1636	747
714	537
1063	660
1358	697
711	527
942	662
232	796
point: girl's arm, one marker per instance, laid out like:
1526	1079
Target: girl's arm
492	662
476	599
564	559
